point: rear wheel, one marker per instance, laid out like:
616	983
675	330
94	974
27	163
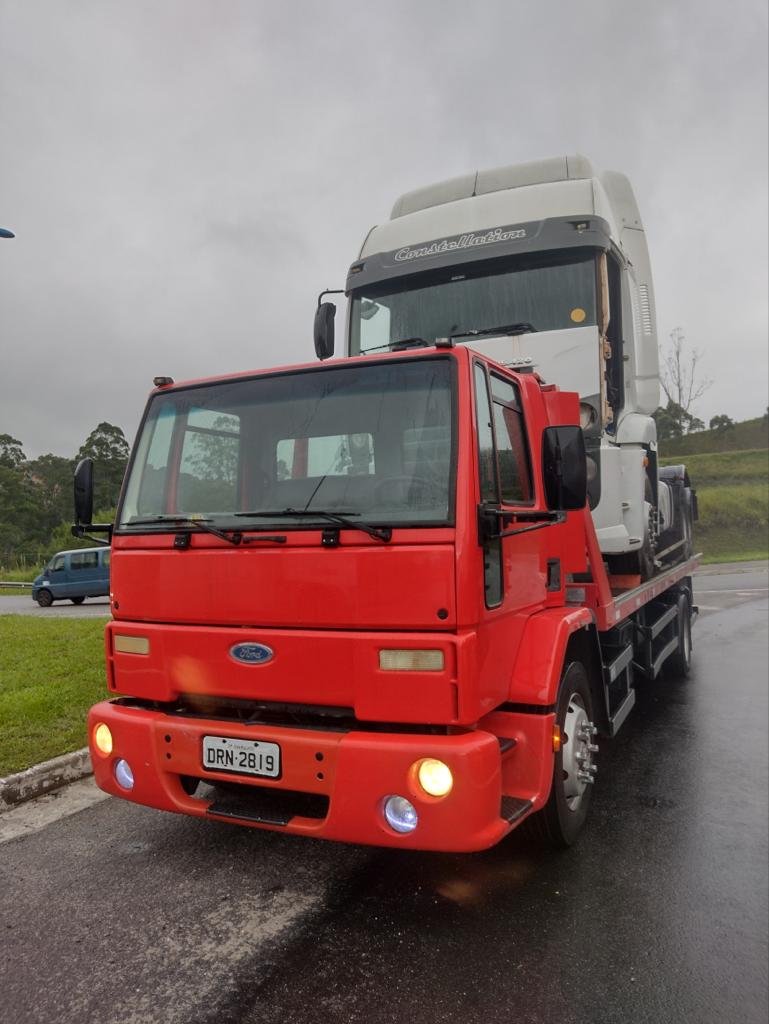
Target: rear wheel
77	600
562	818
44	598
679	663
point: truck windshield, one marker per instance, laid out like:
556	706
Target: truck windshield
374	442
547	295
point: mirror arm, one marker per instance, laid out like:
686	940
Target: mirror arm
330	291
490	531
79	530
556	517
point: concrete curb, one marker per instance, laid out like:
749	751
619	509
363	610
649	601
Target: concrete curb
44	778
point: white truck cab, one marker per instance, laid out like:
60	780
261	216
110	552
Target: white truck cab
544	265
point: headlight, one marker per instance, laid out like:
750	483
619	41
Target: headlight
130	644
587	415
411	661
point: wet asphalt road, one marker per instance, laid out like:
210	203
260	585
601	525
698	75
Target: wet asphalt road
659	914
22	604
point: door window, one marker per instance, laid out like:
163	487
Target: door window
84	560
487	468
512	452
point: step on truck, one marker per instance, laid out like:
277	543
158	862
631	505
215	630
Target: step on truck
366	599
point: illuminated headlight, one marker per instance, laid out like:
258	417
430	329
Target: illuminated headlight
123	774
130	644
411	661
400	814
587	415
102	739
434	777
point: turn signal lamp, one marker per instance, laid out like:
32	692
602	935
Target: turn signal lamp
434	777
102	739
556	738
411	661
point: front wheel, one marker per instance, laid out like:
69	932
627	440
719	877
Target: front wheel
574	768
44	598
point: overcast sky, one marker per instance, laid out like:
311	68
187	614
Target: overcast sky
184	176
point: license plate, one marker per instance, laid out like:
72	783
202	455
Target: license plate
241	757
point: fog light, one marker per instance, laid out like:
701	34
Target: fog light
123	774
102	739
400	814
435	777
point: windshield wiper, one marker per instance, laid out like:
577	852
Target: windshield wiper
236	537
522	328
341	518
402	343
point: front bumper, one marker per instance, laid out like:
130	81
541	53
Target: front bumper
348	774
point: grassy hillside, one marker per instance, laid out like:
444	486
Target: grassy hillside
733	495
743	436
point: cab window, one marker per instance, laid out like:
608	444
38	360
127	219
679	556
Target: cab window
512	451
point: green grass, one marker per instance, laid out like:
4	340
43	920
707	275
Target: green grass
724	469
733	498
20	575
51	672
747	434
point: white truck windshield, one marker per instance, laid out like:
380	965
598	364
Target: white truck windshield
547	296
374	442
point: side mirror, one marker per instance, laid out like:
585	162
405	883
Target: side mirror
564	468
323	330
84	492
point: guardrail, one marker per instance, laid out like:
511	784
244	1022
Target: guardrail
20	586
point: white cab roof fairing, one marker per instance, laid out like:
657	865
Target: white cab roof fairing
564	188
535	203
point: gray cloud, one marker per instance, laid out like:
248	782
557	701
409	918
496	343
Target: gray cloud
184	177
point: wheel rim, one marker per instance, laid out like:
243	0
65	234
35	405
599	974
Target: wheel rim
577	752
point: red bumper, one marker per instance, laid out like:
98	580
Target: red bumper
352	773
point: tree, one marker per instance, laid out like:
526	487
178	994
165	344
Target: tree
11	453
681	382
673	422
721	424
51	475
108	448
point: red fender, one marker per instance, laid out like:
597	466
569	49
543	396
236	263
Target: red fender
538	668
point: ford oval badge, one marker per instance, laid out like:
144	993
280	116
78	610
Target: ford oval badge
251	654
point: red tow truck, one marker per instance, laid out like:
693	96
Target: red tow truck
364	600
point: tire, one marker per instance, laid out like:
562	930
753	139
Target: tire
77	600
679	663
44	598
634	563
561	820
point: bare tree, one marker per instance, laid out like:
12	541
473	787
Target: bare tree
678	375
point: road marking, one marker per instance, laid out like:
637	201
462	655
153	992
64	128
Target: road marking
33	815
741	593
